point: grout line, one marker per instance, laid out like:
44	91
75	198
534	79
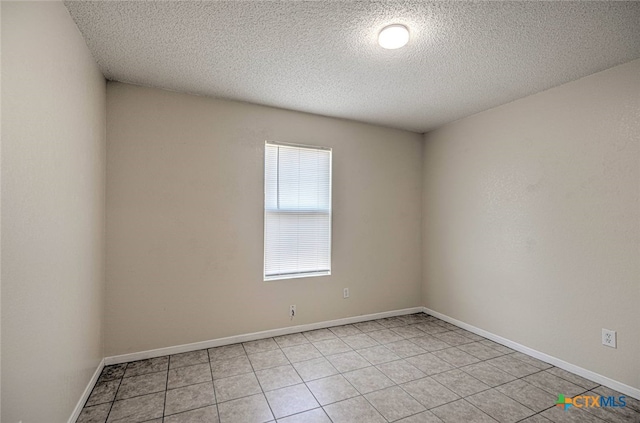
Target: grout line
258	380
429	319
213	384
166	388
305	382
310	391
319	407
116	394
548	408
372	405
187	411
138	396
310	342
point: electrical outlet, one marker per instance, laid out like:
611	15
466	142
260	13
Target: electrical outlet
292	311
609	338
345	293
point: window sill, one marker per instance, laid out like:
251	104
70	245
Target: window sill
296	276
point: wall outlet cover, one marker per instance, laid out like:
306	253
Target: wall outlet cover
609	338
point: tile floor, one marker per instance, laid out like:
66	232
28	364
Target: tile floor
408	369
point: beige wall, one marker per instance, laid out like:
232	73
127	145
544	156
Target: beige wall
531	221
53	179
185	219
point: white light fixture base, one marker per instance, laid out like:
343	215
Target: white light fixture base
393	36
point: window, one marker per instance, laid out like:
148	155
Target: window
297	211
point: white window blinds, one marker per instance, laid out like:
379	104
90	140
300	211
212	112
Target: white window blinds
297	211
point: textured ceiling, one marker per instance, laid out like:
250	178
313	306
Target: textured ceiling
323	57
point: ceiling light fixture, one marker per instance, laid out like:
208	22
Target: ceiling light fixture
393	36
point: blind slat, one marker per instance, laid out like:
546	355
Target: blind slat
297	214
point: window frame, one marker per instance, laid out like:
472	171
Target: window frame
285	276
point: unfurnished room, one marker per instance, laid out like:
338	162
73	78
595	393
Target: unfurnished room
320	211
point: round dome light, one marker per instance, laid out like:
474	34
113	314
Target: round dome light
393	36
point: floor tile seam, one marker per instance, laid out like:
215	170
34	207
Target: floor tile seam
485	359
264	351
166	390
347	399
440	405
308	389
94	388
401	358
470	375
319	407
148	373
437	349
303	382
281	387
587	410
457	345
116	399
243	396
480	410
375	390
537	413
340	373
488	360
121	379
113	402
341	352
229	358
311	380
514	399
409	393
333	402
188	384
477	342
323	356
355	351
302	361
262	390
235	374
614	410
374	407
551	393
567	380
414	414
215	395
592	390
551	366
294	345
463	397
192	409
96	404
186	365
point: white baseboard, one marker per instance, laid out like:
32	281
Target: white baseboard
86	393
142	355
588	374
